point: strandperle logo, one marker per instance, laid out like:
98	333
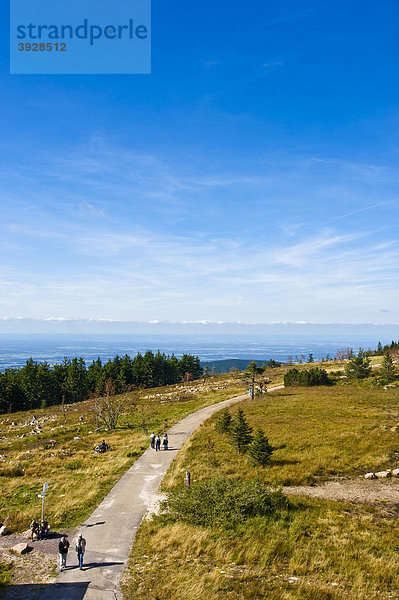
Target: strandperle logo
80	37
84	31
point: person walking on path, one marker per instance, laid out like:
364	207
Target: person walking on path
157	443
63	548
165	441
80	549
152	440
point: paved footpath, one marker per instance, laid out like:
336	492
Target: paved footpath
111	529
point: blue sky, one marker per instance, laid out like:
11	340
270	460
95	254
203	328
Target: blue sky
251	177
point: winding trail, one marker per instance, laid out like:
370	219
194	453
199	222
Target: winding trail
111	529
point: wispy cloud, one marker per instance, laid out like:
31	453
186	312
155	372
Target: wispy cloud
108	233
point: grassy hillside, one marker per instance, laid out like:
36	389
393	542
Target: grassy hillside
310	549
58	448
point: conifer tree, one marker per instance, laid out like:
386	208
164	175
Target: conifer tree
240	432
224	422
359	366
260	450
250	375
388	373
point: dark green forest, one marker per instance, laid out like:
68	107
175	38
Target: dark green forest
38	385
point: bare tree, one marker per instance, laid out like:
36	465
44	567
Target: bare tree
394	354
344	354
145	416
205	374
110	407
186	379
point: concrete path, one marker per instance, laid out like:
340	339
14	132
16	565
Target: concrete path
110	530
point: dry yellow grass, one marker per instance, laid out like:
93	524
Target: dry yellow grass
62	452
315	549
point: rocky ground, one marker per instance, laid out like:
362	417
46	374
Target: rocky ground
39	565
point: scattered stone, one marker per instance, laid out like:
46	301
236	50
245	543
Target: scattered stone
395	473
4	530
383	474
27	535
370	476
389	387
21	548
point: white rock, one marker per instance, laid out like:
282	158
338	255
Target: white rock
370	476
4	530
383	474
395	473
21	548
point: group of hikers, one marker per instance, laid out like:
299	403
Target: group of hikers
80	548
103	447
40	530
155	441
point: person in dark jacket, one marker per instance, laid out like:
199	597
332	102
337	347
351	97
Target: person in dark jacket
63	548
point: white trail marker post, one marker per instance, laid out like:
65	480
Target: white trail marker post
42	496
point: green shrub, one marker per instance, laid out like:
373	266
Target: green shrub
306	377
221	501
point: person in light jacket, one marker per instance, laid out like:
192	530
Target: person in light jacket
80	549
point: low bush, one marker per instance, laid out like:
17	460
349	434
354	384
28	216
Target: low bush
5	574
74	465
16	471
221	501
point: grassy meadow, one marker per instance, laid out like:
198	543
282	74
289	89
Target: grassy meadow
60	450
310	549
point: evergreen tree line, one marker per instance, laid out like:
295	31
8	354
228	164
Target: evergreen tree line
383	349
37	385
305	377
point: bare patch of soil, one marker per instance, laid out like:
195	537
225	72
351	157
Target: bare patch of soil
34	567
348	490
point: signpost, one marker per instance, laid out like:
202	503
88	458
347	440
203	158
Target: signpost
42	496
